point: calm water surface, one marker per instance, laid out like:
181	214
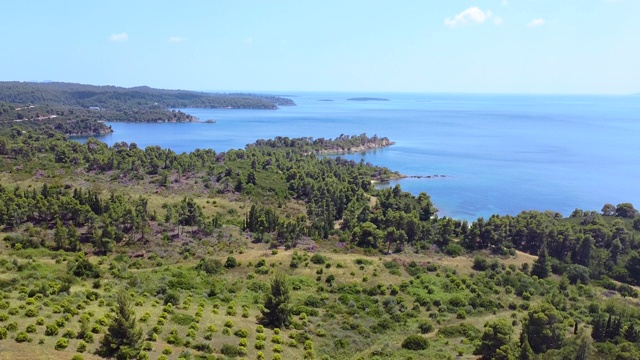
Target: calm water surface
499	153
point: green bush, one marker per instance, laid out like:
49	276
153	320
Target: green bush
276	339
231	262
318	259
229	350
51	330
82	347
425	327
172	297
3	333
241	333
182	319
62	344
415	342
454	250
22	337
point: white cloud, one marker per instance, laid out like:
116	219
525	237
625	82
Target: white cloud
471	15
248	40
177	39
498	20
119	37
536	23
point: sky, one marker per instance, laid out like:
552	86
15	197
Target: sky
445	46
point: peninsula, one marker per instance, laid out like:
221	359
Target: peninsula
82	110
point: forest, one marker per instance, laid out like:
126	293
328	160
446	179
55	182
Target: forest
278	251
81	110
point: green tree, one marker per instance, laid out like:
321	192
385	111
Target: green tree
60	235
123	337
526	352
544	328
626	210
608	210
277	310
496	341
541	267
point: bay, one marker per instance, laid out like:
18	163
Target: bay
498	153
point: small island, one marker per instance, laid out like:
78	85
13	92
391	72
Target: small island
367	99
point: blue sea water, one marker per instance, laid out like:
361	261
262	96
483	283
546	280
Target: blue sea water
499	153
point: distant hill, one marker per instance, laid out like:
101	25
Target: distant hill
119	98
78	109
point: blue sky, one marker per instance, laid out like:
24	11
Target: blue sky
483	46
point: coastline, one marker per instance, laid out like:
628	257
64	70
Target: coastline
383	143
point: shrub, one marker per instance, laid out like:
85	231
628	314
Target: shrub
480	263
276	339
318	259
242	351
22	337
415	342
210	266
77	357
454	250
182	319
231	262
172	297
425	327
259	345
62	344
3	333
229	350
167	351
241	333
51	330
82	347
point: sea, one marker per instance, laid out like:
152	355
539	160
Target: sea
492	154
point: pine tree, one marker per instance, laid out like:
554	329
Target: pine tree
631	334
123	337
526	352
542	267
277	312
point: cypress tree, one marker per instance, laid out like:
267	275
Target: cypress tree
526	352
542	267
123	337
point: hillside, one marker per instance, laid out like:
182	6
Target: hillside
195	244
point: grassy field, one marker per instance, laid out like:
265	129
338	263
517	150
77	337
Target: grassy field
348	305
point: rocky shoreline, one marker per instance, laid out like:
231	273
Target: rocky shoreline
382	143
